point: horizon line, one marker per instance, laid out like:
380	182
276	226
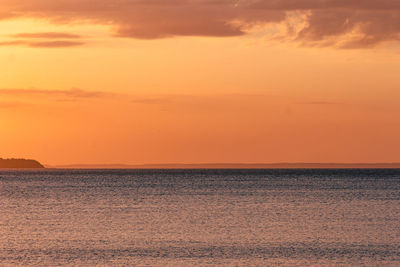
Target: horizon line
229	165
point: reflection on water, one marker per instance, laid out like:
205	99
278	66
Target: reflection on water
200	217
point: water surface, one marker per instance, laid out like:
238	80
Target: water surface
199	217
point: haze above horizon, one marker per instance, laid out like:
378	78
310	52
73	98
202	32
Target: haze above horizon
200	81
283	165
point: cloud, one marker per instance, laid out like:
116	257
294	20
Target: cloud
218	103
342	23
153	100
177	100
320	103
72	93
54	44
9	43
47	35
169	98
352	28
47	44
53	40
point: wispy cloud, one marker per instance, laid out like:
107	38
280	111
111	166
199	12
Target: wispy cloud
218	103
47	35
320	103
174	98
55	44
72	93
152	100
47	44
10	43
44	40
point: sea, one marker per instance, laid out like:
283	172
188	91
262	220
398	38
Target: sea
201	217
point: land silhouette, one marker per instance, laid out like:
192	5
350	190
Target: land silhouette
20	164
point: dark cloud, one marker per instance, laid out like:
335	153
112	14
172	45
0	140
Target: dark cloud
324	4
368	27
342	23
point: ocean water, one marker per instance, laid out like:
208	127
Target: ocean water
200	217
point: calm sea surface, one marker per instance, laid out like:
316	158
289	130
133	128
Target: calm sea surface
199	217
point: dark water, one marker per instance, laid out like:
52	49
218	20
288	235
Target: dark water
200	217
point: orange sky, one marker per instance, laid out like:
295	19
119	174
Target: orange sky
199	81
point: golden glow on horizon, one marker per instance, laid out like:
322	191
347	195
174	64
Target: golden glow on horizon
192	99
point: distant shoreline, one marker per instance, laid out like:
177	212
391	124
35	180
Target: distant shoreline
235	166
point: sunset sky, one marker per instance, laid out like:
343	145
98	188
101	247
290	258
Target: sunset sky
200	81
